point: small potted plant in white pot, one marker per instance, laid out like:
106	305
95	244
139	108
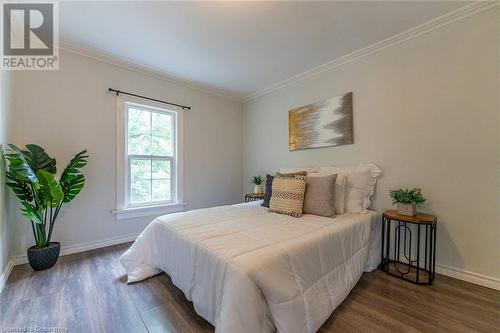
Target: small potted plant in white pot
407	200
257	181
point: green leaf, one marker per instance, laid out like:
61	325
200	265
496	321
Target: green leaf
38	159
20	188
412	196
72	187
20	167
257	180
31	212
49	187
72	180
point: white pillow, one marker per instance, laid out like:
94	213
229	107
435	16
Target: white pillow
293	170
361	180
340	184
340	189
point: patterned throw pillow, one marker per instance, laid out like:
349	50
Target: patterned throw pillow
269	191
288	195
269	185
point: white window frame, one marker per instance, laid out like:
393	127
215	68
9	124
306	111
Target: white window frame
124	208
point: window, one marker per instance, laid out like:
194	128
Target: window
151	156
149	159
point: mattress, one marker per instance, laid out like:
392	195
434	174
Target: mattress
248	270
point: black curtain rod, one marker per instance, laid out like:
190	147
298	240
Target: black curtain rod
118	92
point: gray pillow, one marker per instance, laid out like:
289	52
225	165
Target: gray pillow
320	195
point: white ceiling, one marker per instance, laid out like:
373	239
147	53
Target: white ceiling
239	48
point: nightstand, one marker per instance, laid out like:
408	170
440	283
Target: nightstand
411	241
253	197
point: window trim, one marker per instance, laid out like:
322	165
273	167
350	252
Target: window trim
124	209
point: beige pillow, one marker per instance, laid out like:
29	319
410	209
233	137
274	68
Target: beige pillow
291	174
319	197
288	195
340	189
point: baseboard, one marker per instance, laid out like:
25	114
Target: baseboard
82	247
5	274
482	280
460	274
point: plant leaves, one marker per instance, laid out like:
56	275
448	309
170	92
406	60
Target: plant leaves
50	189
38	159
31	212
72	187
412	196
20	167
20	188
72	180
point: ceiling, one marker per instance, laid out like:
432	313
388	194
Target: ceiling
239	48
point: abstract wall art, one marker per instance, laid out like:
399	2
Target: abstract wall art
322	124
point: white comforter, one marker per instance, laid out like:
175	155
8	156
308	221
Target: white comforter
247	270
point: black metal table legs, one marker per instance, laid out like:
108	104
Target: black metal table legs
412	261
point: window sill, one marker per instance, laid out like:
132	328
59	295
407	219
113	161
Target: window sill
157	210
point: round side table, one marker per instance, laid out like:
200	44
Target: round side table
411	241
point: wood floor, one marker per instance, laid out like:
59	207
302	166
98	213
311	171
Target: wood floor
86	292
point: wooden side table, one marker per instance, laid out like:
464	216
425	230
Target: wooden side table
407	254
253	197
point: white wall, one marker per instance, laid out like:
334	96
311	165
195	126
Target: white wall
427	112
68	110
5	226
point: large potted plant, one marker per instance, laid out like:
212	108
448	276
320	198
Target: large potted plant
407	200
31	174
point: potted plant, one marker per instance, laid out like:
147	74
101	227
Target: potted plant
407	200
257	181
31	174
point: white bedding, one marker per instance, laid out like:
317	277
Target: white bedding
247	270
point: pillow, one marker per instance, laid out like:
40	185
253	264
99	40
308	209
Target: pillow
288	195
269	185
291	174
319	197
340	184
360	186
269	190
294	170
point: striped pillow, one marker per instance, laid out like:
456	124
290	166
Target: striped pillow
288	195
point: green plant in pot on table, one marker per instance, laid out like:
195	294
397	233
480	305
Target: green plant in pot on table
257	181
407	200
31	174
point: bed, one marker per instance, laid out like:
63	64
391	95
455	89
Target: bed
248	270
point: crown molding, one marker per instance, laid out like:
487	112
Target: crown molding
436	23
128	64
131	65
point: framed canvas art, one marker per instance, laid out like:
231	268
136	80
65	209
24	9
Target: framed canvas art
322	124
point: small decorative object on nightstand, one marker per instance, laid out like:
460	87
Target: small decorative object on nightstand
257	181
407	200
408	253
253	197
